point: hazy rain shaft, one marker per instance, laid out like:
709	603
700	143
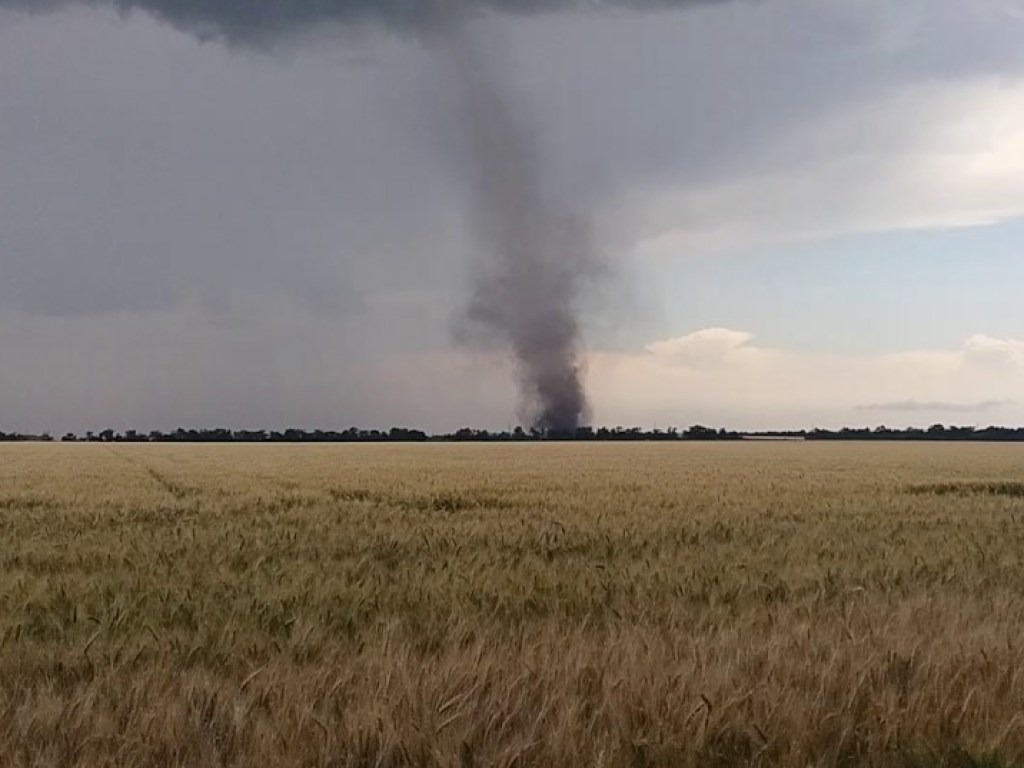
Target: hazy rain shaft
536	258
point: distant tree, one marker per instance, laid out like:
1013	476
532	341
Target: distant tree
700	432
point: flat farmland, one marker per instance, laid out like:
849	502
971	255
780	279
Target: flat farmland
771	604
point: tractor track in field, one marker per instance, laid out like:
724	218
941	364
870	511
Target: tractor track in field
178	490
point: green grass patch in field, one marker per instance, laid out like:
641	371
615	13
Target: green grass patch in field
1010	488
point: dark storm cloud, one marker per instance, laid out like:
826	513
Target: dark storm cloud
536	259
253	20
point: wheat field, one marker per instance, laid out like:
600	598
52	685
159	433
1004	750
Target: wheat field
760	604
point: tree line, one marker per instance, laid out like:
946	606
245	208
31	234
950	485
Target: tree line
936	432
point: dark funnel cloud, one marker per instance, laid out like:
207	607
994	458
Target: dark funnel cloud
536	258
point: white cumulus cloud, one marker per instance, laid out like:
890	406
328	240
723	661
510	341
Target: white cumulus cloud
712	346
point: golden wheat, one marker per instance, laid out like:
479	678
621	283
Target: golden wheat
544	604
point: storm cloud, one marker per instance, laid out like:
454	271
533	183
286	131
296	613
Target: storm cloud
536	256
263	20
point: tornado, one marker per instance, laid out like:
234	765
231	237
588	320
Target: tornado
534	258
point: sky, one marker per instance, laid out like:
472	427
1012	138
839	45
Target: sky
807	212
